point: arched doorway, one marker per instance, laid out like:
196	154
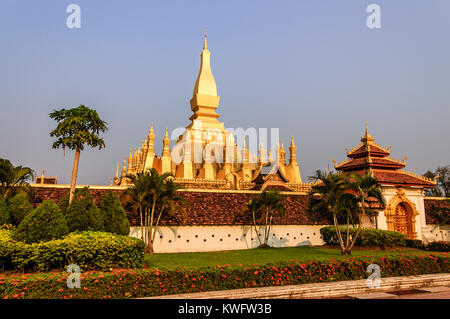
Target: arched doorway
400	215
403	220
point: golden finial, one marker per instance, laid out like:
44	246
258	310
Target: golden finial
334	162
292	142
405	158
151	127
367	137
205	45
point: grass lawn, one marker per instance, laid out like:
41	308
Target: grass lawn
262	256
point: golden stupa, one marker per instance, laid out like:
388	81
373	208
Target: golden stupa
206	155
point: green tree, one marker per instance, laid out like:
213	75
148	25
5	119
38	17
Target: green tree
44	223
5	214
269	203
76	128
442	176
82	214
114	216
364	188
19	206
154	194
138	193
13	179
325	195
253	207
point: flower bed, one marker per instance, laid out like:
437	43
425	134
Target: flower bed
129	283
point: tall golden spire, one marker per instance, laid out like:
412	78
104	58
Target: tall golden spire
205	83
204	100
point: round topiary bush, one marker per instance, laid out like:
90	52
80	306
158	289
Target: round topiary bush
44	223
82	214
115	218
5	214
19	206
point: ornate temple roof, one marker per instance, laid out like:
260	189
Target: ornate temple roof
371	157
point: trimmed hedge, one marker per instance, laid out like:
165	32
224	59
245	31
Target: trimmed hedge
115	218
82	214
439	246
44	223
19	206
366	237
89	250
127	283
5	214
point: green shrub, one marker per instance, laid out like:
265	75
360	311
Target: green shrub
366	237
44	223
115	218
414	243
82	214
5	214
443	246
19	206
89	250
128	283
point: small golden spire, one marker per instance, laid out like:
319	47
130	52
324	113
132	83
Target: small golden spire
367	139
205	45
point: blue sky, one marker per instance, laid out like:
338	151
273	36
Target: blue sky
311	68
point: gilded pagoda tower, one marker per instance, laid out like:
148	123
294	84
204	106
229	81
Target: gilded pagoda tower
206	155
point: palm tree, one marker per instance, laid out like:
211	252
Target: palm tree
138	193
13	178
326	195
253	206
269	202
364	188
168	202
76	128
153	193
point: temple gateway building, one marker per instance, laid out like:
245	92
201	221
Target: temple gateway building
219	178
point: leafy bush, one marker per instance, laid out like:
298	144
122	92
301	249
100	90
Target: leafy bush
439	246
89	250
44	223
5	214
366	237
414	243
19	206
126	283
82	214
115	218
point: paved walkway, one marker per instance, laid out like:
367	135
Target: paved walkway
437	285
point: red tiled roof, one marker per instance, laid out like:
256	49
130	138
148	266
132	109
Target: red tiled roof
363	150
364	162
401	178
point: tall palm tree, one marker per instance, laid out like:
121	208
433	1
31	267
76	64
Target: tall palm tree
13	178
326	195
76	128
270	202
363	188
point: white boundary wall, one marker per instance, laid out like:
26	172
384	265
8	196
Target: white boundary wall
435	233
171	239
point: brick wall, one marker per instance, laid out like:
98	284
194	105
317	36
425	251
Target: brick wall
202	208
